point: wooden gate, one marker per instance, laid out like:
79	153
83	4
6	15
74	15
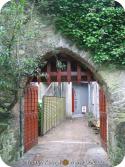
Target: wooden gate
103	118
30	117
54	112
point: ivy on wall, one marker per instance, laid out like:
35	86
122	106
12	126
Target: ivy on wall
98	26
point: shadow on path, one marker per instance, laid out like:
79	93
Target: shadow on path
71	144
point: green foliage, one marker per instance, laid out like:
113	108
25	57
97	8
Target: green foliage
98	26
40	118
13	67
90	118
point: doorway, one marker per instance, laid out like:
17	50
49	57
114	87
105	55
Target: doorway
77	78
80	94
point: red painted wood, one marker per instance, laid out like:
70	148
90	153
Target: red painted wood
68	71
88	76
53	74
73	101
78	73
103	118
30	117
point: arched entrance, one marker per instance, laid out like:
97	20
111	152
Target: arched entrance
63	67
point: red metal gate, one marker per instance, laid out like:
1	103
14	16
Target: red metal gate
103	118
30	117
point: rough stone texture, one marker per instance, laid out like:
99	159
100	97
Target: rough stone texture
120	136
8	144
9	136
115	80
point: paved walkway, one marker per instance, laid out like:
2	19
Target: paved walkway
71	144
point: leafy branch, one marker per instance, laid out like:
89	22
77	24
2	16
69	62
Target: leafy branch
13	67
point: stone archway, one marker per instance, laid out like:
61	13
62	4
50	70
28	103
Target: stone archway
86	75
110	78
68	53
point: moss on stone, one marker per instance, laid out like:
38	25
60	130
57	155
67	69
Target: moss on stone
120	139
9	143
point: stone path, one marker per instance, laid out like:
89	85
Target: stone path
71	144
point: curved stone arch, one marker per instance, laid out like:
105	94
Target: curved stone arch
52	42
110	78
84	58
49	42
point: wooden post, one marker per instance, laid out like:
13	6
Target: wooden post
89	76
59	76
78	73
69	71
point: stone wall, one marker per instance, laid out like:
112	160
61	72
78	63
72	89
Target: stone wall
10	147
9	144
120	138
115	80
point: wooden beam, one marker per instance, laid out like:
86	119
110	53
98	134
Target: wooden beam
78	73
88	76
69	71
59	76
